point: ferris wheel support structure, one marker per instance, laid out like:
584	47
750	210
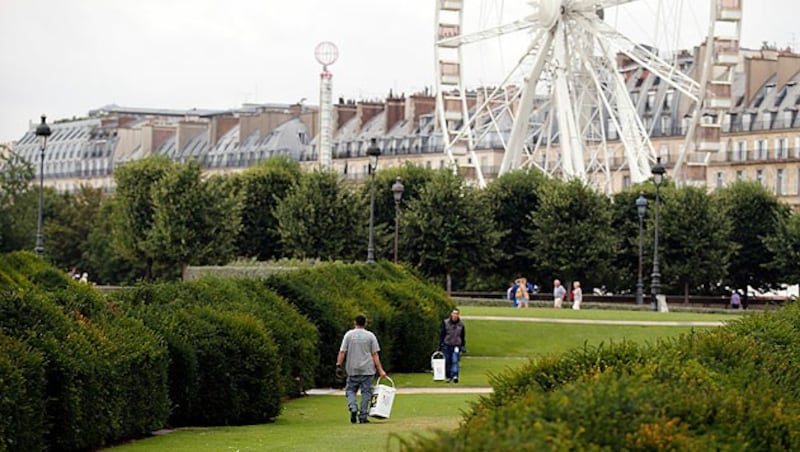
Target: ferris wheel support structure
562	127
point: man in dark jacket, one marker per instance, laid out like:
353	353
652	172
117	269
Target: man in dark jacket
452	342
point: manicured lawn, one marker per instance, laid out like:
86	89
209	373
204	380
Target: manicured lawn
474	372
319	423
597	314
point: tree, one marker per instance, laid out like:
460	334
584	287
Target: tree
625	223
572	237
133	213
514	198
104	265
693	241
449	230
414	178
784	244
755	214
18	203
322	217
195	221
262	187
67	233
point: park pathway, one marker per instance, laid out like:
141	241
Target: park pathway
432	390
594	322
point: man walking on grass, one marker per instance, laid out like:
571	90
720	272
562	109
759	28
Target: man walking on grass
452	342
360	349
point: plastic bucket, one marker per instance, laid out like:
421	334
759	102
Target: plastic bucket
437	364
382	399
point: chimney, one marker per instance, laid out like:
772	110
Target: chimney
395	111
344	113
366	111
418	105
186	132
219	126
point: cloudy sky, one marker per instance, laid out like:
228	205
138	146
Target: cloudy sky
63	58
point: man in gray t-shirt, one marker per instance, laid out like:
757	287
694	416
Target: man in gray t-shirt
360	350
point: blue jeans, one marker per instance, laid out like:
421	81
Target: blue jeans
354	384
451	360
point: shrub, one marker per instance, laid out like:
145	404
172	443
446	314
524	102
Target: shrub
24	270
22	401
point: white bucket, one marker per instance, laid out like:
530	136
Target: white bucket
382	399
437	364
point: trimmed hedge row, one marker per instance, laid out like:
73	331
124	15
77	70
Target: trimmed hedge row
180	312
733	388
97	371
403	311
80	369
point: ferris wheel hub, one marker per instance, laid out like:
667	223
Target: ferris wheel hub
549	11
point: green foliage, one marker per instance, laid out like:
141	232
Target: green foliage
693	241
449	231
322	217
727	389
514	198
331	295
573	238
66	235
23	270
755	214
22	399
784	244
103	263
294	335
97	370
195	221
262	186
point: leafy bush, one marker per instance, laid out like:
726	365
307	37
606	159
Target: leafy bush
24	270
22	401
402	311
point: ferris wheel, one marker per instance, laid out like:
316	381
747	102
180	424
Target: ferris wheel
561	101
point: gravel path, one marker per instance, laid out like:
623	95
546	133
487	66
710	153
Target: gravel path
449	389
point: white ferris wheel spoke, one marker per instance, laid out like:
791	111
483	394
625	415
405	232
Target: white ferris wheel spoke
649	60
489	33
519	131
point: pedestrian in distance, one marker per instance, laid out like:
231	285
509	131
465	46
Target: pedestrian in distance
511	293
558	294
577	295
522	295
452	343
736	300
359	353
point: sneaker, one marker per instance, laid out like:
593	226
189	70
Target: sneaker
455	380
352	417
363	421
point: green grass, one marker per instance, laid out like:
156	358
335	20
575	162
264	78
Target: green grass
597	314
319	423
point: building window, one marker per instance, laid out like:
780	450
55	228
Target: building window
739	175
741	152
666	124
797	182
626	182
782	148
668	99
760	177
761	150
767	119
720	179
780	182
746	119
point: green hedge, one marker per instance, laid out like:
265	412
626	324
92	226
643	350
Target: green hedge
403	311
732	388
23	270
97	369
22	398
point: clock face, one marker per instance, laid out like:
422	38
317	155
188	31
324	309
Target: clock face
326	53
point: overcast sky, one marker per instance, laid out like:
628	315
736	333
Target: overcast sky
63	58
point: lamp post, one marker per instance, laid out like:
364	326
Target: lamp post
641	208
397	191
655	284
42	131
373	152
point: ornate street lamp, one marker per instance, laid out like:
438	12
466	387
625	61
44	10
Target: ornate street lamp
655	284
641	208
42	131
397	191
373	152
